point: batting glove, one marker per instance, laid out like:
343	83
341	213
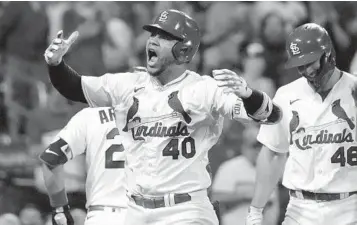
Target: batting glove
62	216
59	47
255	216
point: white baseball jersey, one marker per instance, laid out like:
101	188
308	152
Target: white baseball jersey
169	129
320	136
93	132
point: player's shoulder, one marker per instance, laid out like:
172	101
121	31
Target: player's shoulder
198	87
89	114
298	83
93	121
350	78
292	88
136	75
199	80
88	111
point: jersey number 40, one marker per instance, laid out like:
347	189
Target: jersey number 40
188	149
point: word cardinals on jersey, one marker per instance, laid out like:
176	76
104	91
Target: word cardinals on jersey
321	133
168	129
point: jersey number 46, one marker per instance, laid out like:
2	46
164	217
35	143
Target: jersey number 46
350	157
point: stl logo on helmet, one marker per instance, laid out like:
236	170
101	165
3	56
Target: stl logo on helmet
163	16
294	48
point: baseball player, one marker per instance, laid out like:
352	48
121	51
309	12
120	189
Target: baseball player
174	116
318	130
92	132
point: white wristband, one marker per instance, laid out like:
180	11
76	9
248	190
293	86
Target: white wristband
253	209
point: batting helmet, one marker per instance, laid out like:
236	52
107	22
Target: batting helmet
308	43
182	27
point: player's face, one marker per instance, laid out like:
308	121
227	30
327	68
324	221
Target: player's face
159	52
311	73
310	70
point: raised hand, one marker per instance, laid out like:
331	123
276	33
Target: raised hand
59	47
232	83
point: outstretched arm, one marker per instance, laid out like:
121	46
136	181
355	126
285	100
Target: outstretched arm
261	108
67	82
270	167
257	104
96	91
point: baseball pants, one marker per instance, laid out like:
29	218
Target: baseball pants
106	216
198	211
311	212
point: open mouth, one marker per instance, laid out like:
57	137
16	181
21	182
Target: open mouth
152	57
151	54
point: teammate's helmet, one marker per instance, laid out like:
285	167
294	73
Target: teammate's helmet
181	26
308	43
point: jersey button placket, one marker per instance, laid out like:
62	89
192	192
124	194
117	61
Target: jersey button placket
150	160
146	160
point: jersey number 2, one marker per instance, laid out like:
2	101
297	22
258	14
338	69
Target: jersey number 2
109	162
339	156
171	148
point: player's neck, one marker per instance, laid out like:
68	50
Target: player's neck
335	77
170	74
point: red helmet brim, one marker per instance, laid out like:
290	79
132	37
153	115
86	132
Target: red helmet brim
304	59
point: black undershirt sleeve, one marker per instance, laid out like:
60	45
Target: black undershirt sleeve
67	82
276	114
254	102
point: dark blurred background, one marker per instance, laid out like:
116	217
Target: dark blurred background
247	37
